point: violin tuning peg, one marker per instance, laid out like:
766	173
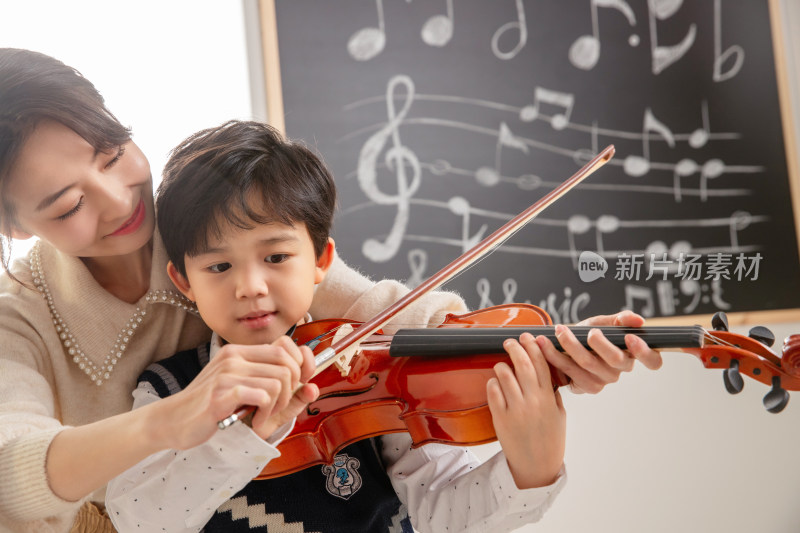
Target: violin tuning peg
762	335
777	397
733	378
720	321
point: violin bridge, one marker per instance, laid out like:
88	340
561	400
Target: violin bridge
342	360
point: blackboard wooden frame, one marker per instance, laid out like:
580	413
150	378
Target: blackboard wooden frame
275	109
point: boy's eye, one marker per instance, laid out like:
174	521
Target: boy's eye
219	267
276	258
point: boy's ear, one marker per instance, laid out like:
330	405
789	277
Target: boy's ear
325	261
180	281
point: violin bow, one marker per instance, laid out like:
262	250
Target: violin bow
346	343
350	341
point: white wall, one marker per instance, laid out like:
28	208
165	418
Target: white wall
657	452
671	451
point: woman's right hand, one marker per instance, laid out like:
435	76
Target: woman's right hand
263	376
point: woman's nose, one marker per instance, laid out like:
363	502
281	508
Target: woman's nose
116	196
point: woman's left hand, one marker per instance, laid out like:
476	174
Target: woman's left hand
590	371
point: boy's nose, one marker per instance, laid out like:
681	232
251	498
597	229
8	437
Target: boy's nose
251	283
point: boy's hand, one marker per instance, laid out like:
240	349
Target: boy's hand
527	414
589	371
265	423
263	376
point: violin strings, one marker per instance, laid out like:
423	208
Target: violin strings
475	331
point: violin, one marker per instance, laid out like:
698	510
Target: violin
431	382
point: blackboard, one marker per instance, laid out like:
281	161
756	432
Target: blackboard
441	120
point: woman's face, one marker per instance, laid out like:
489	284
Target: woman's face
85	203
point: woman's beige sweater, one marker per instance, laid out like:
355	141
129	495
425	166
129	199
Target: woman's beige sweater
70	354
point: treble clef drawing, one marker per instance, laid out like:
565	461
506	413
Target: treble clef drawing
397	159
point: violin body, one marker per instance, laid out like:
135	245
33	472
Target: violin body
436	391
434	399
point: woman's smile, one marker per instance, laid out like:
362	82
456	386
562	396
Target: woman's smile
133	223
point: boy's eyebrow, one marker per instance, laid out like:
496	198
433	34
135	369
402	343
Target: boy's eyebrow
271	241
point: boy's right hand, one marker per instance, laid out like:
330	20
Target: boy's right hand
263	376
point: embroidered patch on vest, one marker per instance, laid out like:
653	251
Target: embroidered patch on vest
343	479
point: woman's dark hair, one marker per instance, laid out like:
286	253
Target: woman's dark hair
240	173
33	88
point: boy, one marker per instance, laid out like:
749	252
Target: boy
245	218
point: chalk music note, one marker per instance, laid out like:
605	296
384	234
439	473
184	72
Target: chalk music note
459	205
739	220
484	290
634	293
562	100
666	298
635	165
722	57
366	43
418	263
698	293
605	224
713	168
520	26
664	56
576	225
529	182
488	176
584	155
438	30
585	51
397	158
699	137
659	249
683	168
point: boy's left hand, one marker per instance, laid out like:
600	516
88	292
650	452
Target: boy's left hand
528	416
589	371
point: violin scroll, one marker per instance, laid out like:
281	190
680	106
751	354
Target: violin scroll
790	358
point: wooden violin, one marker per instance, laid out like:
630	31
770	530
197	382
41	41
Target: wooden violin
431	382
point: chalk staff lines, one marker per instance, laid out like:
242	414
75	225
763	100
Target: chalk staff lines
407	168
634	165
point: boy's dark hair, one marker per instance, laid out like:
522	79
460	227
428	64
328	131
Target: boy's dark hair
240	173
35	87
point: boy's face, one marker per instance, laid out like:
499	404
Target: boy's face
251	286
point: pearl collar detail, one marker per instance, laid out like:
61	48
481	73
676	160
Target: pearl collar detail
100	373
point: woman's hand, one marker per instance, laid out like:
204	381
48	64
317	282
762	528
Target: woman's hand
589	371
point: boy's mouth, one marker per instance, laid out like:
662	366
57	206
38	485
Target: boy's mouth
257	319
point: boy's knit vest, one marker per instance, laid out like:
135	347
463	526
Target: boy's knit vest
354	494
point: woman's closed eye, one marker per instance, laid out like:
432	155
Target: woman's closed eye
117	157
72	211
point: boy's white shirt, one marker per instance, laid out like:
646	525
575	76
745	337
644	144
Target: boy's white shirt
441	486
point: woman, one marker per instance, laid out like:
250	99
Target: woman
91	306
